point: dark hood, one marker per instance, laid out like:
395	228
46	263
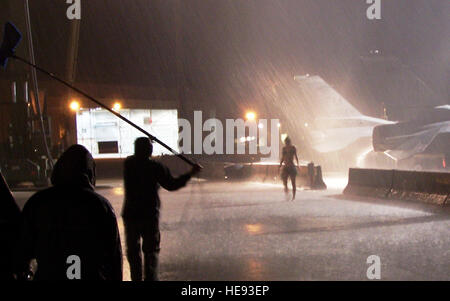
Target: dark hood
75	167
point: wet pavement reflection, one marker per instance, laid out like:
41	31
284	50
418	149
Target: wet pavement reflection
247	231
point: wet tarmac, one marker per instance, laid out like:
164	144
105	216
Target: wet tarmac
249	231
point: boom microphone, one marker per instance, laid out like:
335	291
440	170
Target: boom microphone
12	37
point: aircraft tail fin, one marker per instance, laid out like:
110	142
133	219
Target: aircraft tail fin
322	100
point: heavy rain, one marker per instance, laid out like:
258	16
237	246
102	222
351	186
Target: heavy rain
225	140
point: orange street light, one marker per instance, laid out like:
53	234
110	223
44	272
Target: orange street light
74	105
117	106
251	116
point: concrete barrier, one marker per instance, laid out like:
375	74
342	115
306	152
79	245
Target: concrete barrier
211	169
264	172
369	182
427	187
109	168
318	183
113	168
310	177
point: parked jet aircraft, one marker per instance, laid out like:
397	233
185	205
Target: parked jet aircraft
421	143
333	130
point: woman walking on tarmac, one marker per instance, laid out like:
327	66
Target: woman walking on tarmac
290	169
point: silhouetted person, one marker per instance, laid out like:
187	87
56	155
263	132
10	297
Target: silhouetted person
289	170
71	219
9	230
142	179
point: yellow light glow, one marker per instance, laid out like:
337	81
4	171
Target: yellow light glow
74	105
118	191
253	228
250	116
117	106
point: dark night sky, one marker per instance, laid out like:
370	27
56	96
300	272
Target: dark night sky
235	46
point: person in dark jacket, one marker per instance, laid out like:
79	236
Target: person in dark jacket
69	229
9	230
142	179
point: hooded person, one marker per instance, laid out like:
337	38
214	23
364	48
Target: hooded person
140	212
9	230
69	229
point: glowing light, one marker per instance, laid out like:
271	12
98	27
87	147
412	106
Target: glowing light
250	116
253	228
118	191
336	182
360	160
283	136
255	269
306	124
301	77
279	124
117	106
260	125
74	105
